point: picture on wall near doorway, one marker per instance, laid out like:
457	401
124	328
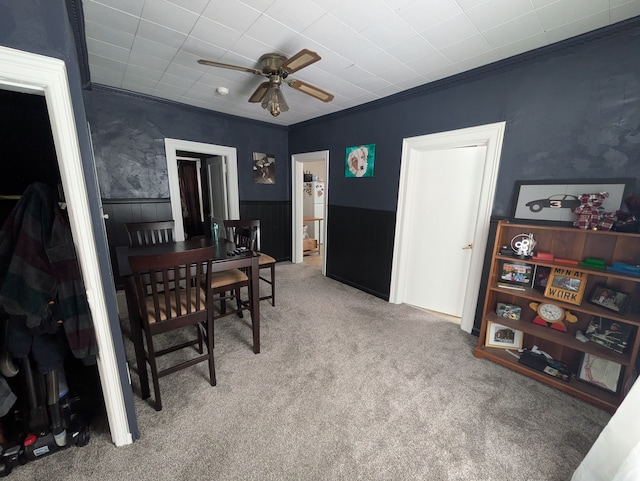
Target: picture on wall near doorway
553	201
360	160
264	168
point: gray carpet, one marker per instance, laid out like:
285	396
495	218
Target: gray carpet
347	387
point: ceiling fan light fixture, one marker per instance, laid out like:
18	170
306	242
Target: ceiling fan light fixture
274	101
276	67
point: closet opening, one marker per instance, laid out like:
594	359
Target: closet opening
50	385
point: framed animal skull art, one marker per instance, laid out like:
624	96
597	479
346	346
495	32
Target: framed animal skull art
359	161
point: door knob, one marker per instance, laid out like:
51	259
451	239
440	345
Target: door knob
468	246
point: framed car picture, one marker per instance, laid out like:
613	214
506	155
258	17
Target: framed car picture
553	201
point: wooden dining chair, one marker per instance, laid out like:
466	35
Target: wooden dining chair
247	233
171	295
148	233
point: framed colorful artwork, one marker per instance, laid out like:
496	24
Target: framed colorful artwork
517	273
360	161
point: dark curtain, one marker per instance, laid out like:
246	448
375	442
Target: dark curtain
187	173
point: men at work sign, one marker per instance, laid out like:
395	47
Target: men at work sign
566	285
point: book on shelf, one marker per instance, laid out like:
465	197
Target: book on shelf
510	286
569	262
544	256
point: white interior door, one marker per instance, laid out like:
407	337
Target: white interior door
446	188
443	216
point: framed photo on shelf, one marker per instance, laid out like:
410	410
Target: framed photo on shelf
553	201
517	273
566	285
611	334
609	298
510	311
600	372
541	278
502	337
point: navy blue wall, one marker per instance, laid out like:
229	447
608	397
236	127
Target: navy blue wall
128	134
37	26
571	111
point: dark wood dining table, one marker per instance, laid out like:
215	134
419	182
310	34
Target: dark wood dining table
222	261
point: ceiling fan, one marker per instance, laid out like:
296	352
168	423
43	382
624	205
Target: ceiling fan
276	68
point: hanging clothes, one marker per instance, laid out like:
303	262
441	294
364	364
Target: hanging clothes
40	279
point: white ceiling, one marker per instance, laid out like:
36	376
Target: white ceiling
370	48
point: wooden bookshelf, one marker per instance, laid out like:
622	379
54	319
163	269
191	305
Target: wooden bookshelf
574	244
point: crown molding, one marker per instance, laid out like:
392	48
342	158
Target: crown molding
76	19
630	26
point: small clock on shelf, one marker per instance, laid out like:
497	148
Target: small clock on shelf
552	316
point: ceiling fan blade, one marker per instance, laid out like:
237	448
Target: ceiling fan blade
300	60
211	63
260	92
310	90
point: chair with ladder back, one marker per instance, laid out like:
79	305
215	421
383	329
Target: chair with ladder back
149	233
247	233
172	294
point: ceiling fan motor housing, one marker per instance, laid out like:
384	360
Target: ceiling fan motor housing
270	64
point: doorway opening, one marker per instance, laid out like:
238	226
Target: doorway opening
313	213
203	191
480	145
212	189
318	163
36	74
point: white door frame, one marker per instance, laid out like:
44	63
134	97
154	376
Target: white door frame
231	158
491	136
297	171
36	74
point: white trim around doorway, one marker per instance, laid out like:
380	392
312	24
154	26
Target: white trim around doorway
36	74
491	136
231	159
297	171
